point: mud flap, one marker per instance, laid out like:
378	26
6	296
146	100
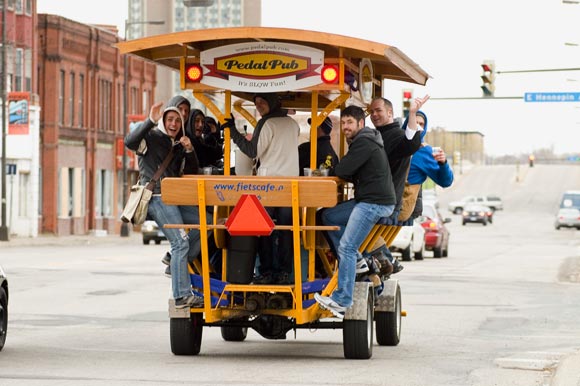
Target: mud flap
386	300
358	311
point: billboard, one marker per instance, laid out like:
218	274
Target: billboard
18	108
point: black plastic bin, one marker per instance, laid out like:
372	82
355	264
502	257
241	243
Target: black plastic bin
241	259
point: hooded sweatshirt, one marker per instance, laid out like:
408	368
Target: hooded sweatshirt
367	167
152	144
423	164
207	153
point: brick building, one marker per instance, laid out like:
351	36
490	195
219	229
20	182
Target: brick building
22	183
81	89
463	145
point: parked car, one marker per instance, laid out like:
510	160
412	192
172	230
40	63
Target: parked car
3	308
151	231
494	202
436	233
569	212
410	241
477	213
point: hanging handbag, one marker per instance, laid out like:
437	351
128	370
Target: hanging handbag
135	210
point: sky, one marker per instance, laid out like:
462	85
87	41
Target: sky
449	39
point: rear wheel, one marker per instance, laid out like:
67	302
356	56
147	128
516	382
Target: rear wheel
458	210
146	241
421	253
357	335
157	242
406	253
185	334
3	317
388	324
437	252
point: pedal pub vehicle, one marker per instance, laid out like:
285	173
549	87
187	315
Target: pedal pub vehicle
312	72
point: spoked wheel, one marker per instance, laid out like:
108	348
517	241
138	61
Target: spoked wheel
3	317
357	335
389	323
185	334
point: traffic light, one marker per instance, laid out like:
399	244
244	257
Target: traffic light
407	96
488	78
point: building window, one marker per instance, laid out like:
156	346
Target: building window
81	99
28	70
146	101
105	101
28	8
71	100
70	191
103	194
61	98
18	7
18	64
134	100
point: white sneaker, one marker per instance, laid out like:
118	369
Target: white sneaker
328	304
362	266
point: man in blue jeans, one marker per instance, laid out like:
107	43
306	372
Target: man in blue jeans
367	167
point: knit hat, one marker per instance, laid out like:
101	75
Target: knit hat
326	125
272	99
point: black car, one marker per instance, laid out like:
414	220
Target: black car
477	213
3	308
150	231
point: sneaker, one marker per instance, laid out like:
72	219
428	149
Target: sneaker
166	259
328	304
265	278
282	278
192	301
397	267
168	272
362	266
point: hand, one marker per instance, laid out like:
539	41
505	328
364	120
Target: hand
229	122
186	143
417	103
440	156
156	112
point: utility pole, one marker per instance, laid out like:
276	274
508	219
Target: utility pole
4	234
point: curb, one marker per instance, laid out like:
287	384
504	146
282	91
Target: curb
568	372
73	240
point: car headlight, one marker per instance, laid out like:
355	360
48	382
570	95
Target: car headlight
148	228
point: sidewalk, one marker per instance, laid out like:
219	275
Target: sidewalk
52	240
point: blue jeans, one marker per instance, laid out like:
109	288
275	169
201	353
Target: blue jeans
360	218
182	244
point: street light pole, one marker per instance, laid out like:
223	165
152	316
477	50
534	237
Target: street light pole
124	225
3	226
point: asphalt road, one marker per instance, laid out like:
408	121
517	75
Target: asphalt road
502	309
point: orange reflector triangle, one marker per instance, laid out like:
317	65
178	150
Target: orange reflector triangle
249	218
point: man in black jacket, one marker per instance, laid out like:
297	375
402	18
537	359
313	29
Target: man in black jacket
366	166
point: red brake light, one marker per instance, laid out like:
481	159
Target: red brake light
329	74
407	94
194	73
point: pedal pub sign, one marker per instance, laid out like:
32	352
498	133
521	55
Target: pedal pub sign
262	66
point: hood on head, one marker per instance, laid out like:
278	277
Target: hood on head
190	129
161	124
424	132
178	100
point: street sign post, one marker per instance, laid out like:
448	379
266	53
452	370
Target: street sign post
552	97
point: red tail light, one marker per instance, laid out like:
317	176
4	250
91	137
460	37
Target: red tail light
194	73
329	74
